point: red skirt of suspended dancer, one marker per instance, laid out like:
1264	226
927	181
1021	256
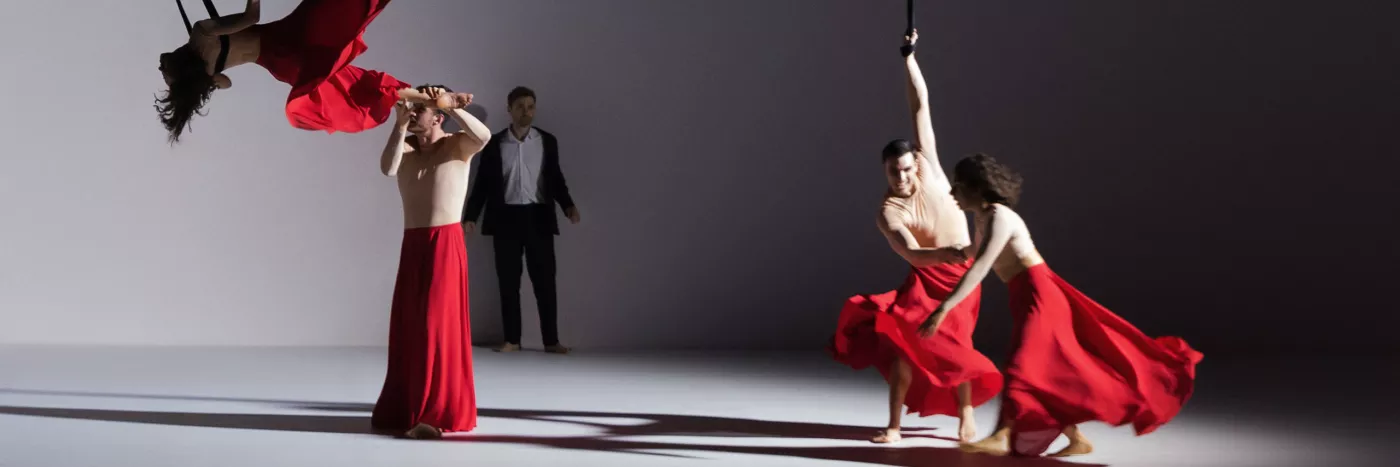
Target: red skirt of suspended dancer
429	378
1074	361
311	49
874	329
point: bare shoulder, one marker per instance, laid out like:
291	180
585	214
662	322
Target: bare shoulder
464	146
891	215
1005	215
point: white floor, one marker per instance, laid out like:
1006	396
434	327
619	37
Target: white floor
150	407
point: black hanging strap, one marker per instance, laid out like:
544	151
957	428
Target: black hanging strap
223	40
909	31
208	5
909	15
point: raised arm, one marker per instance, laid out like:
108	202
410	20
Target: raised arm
907	247
397	145
918	107
229	24
998	236
473	136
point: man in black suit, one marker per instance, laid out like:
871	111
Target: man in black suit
518	182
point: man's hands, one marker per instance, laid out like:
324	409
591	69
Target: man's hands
469	226
403	112
931	324
909	43
448	100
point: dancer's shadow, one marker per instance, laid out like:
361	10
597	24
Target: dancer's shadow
268	422
920	456
677	425
356	422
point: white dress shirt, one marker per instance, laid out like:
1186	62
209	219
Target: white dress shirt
521	165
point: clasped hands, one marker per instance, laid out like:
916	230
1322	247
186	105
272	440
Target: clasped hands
437	98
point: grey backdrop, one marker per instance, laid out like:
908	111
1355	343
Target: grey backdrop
1207	169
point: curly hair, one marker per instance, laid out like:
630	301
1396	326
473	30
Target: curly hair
992	180
190	87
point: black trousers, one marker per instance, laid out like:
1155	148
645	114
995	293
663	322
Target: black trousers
522	236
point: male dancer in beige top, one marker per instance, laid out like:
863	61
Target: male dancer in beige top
942	375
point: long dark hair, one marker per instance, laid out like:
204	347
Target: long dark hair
993	180
190	87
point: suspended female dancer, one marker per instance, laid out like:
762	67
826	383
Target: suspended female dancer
310	49
1073	360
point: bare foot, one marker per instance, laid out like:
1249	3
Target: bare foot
995	445
423	431
508	347
887	436
1078	445
556	348
967	425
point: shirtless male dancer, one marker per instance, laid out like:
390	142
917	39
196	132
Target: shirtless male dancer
428	387
943	375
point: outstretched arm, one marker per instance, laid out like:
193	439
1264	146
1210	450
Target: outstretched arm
904	244
397	145
997	238
229	24
918	107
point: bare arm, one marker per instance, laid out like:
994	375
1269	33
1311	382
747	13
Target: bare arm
397	146
918	107
998	236
474	134
904	244
229	24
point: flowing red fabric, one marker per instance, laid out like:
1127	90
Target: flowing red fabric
1075	361
429	379
874	329
311	49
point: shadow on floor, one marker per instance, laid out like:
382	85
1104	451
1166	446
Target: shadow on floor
657	425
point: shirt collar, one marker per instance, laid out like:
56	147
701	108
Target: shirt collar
529	136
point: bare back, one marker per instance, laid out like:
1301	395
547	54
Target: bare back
931	214
1015	251
433	183
243	47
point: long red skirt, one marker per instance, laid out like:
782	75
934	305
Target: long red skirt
1075	361
311	49
429	379
875	329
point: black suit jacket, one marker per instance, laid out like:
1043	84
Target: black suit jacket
489	189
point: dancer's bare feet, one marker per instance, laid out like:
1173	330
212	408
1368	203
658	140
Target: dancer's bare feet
557	348
887	436
507	347
967	425
996	444
1078	444
423	431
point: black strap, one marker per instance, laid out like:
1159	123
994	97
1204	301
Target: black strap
208	5
909	15
908	31
223	40
223	55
